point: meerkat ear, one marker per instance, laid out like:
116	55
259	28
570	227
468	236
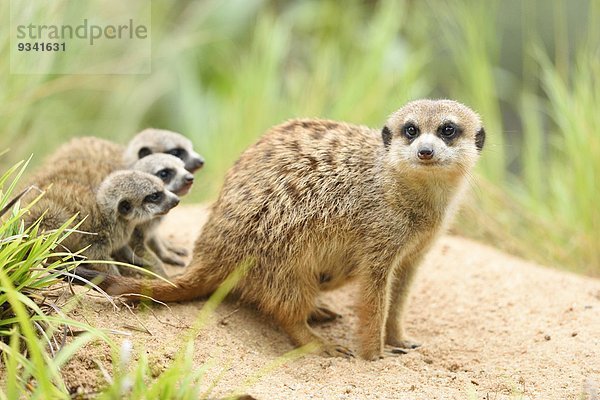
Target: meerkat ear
386	135
144	151
124	207
480	138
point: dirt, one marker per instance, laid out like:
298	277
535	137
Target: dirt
492	326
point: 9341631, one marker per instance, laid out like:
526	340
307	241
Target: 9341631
42	46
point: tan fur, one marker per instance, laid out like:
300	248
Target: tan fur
315	204
148	141
69	192
92	149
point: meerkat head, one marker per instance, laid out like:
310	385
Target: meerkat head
150	141
134	196
169	169
433	136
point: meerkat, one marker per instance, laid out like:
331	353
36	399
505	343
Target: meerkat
315	204
112	156
153	140
146	142
171	170
108	214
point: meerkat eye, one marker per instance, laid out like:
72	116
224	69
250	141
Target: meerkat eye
411	131
178	152
154	197
124	207
164	174
448	130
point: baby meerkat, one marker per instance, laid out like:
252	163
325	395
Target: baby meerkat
146	142
152	140
109	157
315	204
171	170
122	201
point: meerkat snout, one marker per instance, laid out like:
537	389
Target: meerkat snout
173	202
169	169
161	203
428	149
425	152
195	163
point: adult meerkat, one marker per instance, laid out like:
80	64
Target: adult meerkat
122	201
317	203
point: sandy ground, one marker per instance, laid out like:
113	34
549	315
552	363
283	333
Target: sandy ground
492	327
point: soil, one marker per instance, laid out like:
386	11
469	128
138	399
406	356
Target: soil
492	326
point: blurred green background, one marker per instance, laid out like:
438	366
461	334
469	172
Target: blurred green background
224	71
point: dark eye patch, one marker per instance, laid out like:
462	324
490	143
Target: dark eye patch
165	174
449	131
178	152
410	130
154	197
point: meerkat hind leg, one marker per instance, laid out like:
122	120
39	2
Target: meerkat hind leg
293	318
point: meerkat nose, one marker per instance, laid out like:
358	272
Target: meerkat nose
189	178
172	204
198	163
425	153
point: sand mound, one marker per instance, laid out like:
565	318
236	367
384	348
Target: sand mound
492	327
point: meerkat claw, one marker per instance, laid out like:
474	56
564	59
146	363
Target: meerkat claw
395	351
336	350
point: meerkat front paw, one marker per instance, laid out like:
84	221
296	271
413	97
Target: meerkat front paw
387	352
394	351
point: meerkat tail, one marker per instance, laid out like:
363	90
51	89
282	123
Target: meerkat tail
183	287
